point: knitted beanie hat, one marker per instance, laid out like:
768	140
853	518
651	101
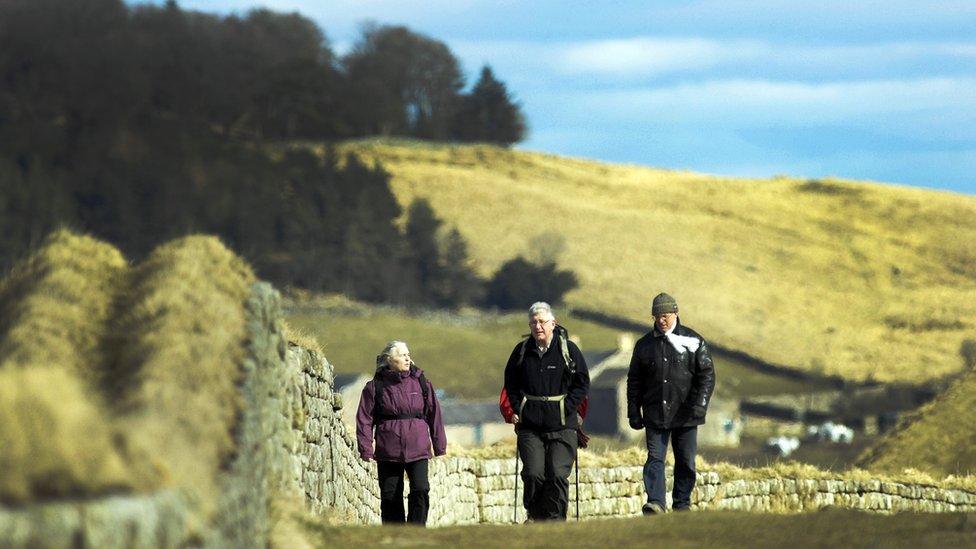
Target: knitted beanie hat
663	303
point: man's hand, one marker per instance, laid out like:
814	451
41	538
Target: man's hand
636	423
699	412
515	419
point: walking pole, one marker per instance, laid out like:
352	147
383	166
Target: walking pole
515	503
576	459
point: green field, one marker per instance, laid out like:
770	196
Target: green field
696	529
830	276
465	353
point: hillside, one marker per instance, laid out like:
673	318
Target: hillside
938	438
833	276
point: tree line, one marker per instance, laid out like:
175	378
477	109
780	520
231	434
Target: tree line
139	124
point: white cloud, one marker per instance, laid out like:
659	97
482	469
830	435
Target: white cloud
648	55
761	102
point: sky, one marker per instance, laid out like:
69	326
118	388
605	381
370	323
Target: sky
867	89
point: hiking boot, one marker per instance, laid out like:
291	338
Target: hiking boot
651	508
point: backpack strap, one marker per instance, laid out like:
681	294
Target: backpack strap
568	361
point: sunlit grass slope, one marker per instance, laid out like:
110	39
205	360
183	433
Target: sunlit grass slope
856	279
116	378
938	438
712	529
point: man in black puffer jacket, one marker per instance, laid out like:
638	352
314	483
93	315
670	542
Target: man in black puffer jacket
669	384
546	380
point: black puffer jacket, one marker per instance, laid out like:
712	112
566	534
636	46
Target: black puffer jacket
546	376
668	389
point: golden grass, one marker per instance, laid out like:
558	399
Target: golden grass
834	276
184	349
939	438
56	437
115	378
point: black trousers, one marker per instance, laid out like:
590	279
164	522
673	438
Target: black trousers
547	459
391	492
684	443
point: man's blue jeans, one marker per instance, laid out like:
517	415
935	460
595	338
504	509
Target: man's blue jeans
684	444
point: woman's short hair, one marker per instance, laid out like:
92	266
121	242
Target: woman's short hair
383	359
540	308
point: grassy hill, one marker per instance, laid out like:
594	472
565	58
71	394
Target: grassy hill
939	438
856	279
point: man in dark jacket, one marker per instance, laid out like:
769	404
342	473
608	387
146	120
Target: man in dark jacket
546	380
669	384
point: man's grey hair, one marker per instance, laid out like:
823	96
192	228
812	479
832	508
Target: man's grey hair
383	359
541	308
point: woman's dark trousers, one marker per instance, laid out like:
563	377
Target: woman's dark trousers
684	443
391	492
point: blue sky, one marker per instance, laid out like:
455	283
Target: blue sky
877	90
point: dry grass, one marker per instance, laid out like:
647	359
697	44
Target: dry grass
183	351
115	378
834	276
939	438
56	437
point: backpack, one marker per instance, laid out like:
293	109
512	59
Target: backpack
379	385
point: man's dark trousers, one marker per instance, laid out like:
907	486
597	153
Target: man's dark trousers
390	474
684	442
547	459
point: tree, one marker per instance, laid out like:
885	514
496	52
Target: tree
422	255
489	114
459	285
401	83
518	283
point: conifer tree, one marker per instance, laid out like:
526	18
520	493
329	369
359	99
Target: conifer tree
489	114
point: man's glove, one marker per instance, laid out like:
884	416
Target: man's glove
699	412
582	439
636	423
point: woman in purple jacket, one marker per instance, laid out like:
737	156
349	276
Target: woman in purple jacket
400	409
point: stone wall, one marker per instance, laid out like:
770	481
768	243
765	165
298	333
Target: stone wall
324	463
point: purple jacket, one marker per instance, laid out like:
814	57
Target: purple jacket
400	440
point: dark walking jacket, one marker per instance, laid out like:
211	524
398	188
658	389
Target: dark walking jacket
546	376
666	388
401	440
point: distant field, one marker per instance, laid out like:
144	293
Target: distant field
696	529
857	279
466	353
